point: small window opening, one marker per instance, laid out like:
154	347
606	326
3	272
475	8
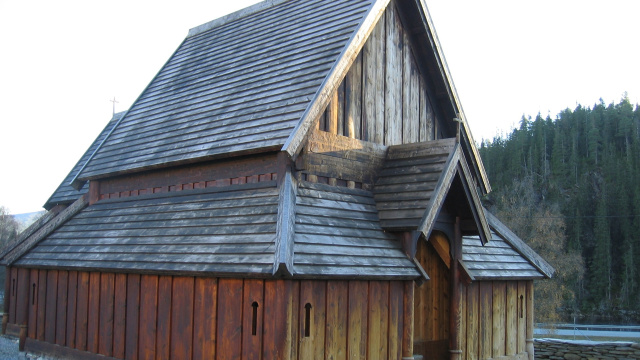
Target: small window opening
33	294
14	287
521	306
254	321
307	320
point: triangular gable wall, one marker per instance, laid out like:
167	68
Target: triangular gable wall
384	98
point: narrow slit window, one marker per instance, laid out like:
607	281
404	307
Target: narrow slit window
521	306
307	320
33	294
254	321
14	287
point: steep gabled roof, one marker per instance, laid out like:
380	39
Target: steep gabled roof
65	193
257	80
237	85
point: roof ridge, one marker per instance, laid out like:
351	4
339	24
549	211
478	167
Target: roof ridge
236	15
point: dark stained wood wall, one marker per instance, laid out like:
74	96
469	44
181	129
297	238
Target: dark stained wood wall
494	313
384	97
432	305
133	316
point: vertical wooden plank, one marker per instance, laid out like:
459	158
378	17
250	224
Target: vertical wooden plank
311	317
512	320
354	99
378	320
473	316
51	307
163	331
182	317
13	294
252	308
61	316
408	319
82	310
340	128
105	330
486	321
374	70
414	98
406	91
462	338
396	311
133	317
426	114
499	318
42	304
393	78
7	292
336	320
294	321
529	333
22	298
276	327
148	317
358	321
119	315
229	327
332	114
93	321
204	318
522	316
33	304
71	309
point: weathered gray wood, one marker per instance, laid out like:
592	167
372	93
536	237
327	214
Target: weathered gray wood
283	259
294	143
374	60
441	190
393	80
353	102
45	230
476	205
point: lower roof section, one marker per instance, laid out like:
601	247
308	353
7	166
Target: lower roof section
228	231
338	234
221	231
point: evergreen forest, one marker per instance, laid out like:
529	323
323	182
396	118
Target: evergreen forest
570	187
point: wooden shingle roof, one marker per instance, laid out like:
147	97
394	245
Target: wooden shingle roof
215	230
338	234
505	256
415	182
237	85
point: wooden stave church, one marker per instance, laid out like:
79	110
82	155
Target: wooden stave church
298	181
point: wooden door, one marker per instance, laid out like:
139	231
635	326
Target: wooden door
432	302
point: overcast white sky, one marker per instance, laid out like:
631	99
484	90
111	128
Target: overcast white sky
62	61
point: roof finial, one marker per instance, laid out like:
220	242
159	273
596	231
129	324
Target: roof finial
114	104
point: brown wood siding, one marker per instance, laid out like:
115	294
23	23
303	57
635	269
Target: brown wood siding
131	316
383	98
432	305
494	327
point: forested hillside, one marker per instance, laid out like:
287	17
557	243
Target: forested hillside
579	173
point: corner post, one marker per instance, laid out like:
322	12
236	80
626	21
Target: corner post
455	318
94	192
529	338
7	291
407	333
